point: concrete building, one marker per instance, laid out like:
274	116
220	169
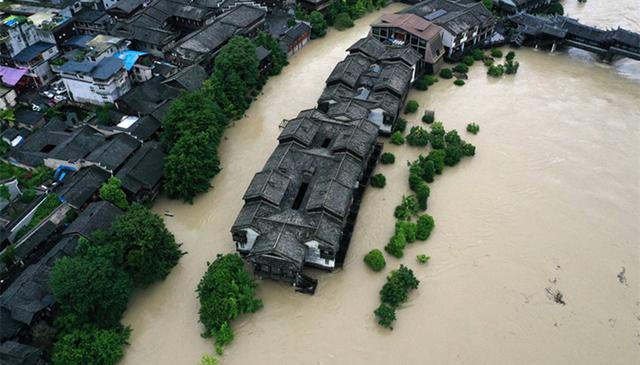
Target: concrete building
95	82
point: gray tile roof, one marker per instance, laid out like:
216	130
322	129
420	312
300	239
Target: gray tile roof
115	151
78	188
326	155
454	16
15	353
144	170
78	145
96	216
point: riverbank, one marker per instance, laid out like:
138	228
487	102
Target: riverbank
550	201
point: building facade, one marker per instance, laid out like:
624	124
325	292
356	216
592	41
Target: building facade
95	82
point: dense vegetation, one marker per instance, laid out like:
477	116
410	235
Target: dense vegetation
395	292
400	125
225	291
94	286
375	260
418	136
196	121
446	73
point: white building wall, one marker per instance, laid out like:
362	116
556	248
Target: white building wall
85	90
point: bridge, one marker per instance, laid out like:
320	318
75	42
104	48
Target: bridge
526	29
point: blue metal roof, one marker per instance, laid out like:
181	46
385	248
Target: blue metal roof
79	41
129	57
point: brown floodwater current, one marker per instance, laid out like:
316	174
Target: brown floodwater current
550	203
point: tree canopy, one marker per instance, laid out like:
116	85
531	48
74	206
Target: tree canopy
111	192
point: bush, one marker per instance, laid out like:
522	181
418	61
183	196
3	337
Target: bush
468	149
397	138
343	21
477	54
401	125
425	225
422	259
428	117
430	79
421	84
422	195
437	157
446	73
511	67
375	260
378	181
386	314
396	245
496	53
407	208
488	62
461	68
510	55
411	107
396	290
225	291
495	70
468	60
436	137
418	137
387	158
407	229
473	128
458	82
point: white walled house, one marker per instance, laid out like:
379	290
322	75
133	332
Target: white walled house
95	82
35	59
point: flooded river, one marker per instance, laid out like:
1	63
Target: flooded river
550	203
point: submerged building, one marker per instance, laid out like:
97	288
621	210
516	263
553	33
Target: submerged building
300	209
371	83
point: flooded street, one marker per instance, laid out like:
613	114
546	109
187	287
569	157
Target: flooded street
551	202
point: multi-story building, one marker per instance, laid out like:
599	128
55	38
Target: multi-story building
466	23
16	34
416	32
95	82
35	59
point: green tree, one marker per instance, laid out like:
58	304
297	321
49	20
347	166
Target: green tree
7	116
488	4
191	112
378	181
225	291
375	260
411	107
396	138
425	225
318	24
400	125
149	250
91	286
418	137
386	314
190	165
343	21
208	360
111	191
91	345
473	128
8	256
446	73
387	158
422	259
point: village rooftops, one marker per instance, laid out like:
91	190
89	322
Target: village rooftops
410	23
30	293
15	353
208	40
114	152
454	16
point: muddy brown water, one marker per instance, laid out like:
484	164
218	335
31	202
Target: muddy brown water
550	203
